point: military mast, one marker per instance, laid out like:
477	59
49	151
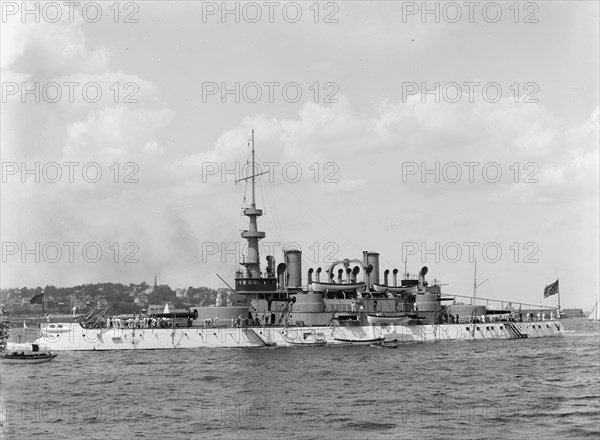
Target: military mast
252	260
253	281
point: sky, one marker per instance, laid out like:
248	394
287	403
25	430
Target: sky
439	137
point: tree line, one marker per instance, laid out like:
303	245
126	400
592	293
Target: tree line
120	298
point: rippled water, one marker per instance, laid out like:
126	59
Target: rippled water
534	388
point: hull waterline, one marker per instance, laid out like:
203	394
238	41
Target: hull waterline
79	338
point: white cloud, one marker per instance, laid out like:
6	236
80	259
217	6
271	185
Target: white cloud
152	147
47	50
114	133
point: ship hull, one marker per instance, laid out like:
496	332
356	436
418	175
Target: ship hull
78	338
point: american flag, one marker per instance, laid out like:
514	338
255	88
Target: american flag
551	289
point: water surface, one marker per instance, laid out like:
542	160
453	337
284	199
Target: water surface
533	388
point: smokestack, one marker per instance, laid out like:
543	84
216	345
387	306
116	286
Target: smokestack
319	274
422	274
281	275
270	266
310	272
355	272
293	259
395	273
347	269
385	277
373	259
368	271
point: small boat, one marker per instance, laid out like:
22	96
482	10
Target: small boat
16	358
361	341
386	319
335	287
380	288
26	354
385	345
307	344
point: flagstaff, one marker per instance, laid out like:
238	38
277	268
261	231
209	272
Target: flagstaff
552	289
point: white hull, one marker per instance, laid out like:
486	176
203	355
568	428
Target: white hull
79	338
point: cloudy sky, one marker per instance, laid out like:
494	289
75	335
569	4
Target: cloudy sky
442	139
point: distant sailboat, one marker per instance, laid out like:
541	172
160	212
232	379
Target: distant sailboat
595	315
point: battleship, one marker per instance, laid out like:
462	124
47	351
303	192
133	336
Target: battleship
344	304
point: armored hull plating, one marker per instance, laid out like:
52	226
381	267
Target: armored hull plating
79	338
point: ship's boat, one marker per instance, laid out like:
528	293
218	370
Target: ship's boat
24	358
394	289
361	341
385	344
333	287
26	354
307	344
386	319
